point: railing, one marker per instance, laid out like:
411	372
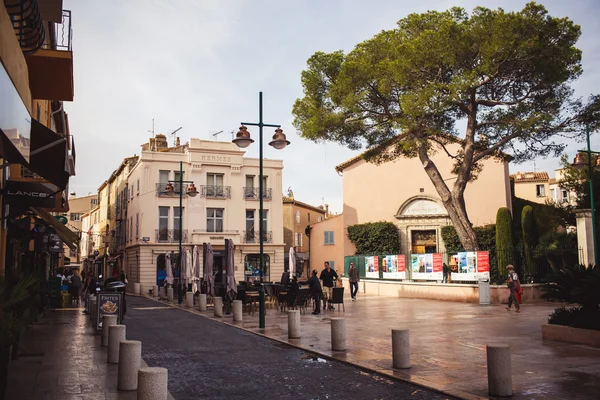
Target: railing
251	193
27	24
60	38
170	236
215	192
161	190
253	237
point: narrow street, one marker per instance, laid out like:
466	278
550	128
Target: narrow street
207	359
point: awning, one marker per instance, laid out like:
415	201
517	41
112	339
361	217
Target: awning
70	238
49	156
15	122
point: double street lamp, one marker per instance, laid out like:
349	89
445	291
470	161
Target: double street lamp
279	142
192	192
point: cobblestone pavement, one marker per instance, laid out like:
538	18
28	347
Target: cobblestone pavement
60	359
210	360
448	345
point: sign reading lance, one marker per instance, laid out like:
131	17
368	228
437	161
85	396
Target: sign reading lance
30	194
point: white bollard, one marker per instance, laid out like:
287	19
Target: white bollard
136	288
162	293
202	302
107	320
338	334
130	360
116	334
155	291
400	348
499	370
293	324
218	306
189	299
153	384
170	295
238	315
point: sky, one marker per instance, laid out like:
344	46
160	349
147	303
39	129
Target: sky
200	64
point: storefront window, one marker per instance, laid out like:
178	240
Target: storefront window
252	266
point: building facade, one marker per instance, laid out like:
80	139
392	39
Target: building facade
78	206
532	186
327	243
226	207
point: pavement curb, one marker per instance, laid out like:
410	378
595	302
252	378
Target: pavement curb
391	374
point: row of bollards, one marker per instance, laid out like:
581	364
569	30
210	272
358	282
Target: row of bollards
498	356
151	383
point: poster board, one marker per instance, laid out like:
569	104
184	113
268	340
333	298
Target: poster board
393	266
427	267
109	304
372	267
471	266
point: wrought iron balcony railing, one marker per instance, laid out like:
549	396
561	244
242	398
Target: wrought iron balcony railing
251	193
170	236
27	24
161	190
253	237
215	192
60	37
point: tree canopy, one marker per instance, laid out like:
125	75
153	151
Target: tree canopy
402	92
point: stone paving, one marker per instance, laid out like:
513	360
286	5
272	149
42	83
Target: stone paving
448	345
60	359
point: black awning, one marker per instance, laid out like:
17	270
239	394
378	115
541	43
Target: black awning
49	155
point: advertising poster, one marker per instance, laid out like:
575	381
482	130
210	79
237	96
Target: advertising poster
427	267
372	267
394	268
472	266
109	304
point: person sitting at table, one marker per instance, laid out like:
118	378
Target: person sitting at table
315	290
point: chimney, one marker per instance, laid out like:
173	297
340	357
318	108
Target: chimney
326	208
177	142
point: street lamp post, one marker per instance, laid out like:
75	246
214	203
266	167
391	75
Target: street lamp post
279	142
590	181
192	192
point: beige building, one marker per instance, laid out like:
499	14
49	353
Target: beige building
78	206
327	243
297	216
226	207
532	186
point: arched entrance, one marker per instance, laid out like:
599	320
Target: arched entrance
161	269
420	219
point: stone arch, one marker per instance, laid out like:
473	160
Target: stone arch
421	206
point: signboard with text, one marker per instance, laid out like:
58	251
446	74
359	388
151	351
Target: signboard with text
427	267
393	267
372	267
471	266
109	304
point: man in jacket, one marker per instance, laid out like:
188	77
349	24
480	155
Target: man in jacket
327	276
315	289
354	279
514	286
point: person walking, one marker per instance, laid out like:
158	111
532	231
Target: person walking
354	278
315	290
76	287
514	286
327	276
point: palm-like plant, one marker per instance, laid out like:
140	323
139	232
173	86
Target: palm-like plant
577	284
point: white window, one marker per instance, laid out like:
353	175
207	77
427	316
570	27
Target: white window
553	194
319	219
264	220
298	241
540	190
214	219
297	216
565	196
137	225
75	217
329	237
138	186
94	202
214	185
163	224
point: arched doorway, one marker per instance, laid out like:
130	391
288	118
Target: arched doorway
161	269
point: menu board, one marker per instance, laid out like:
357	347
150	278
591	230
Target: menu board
471	266
393	267
372	267
429	267
109	304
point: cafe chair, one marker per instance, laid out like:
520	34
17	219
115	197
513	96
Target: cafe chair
337	297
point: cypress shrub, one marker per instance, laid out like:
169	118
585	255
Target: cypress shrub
529	230
504	240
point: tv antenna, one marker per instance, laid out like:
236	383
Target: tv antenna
152	131
216	135
174	137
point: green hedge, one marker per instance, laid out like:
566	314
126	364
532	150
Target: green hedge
530	239
375	238
504	240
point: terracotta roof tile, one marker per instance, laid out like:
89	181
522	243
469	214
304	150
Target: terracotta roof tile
530	177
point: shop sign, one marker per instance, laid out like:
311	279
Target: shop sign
372	267
427	267
423	207
30	194
471	266
109	304
62	219
394	267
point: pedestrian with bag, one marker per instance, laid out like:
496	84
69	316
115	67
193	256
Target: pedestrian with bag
515	289
315	290
354	278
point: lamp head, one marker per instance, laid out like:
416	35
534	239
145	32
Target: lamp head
243	139
170	189
192	191
279	140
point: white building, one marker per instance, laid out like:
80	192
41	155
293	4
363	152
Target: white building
226	207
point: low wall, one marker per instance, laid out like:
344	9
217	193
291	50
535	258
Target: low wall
442	291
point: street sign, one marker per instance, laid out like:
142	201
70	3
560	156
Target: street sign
62	219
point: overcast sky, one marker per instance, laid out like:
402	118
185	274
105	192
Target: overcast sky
199	65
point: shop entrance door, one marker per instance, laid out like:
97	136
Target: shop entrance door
424	241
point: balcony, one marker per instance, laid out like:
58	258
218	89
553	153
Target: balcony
51	67
215	192
161	190
251	193
170	236
253	236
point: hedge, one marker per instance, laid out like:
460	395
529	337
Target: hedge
504	240
375	238
528	225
